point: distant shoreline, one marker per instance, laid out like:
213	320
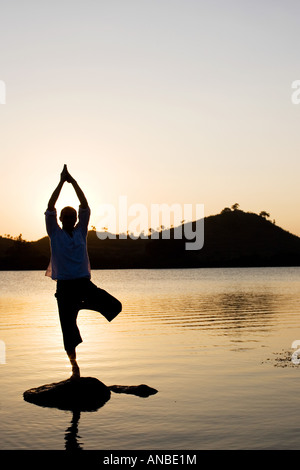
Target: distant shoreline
153	268
232	239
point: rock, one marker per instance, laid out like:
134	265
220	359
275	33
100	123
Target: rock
83	394
139	390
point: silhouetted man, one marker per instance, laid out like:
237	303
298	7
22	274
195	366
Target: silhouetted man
70	267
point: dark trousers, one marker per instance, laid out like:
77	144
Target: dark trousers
78	294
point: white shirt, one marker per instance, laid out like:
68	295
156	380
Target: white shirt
69	256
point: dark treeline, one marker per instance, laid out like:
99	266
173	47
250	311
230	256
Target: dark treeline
232	238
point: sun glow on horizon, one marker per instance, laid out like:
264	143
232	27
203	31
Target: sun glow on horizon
190	117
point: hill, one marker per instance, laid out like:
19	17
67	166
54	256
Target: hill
231	239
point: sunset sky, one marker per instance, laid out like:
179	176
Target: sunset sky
162	101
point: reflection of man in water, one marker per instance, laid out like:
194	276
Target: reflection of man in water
70	267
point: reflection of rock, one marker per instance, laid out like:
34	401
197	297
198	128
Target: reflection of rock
85	394
139	390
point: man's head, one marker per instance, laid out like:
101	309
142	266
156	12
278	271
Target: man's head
68	217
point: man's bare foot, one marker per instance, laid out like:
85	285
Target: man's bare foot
75	368
75	372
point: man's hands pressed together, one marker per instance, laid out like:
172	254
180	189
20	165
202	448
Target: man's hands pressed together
65	176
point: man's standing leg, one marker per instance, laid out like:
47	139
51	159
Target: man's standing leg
68	311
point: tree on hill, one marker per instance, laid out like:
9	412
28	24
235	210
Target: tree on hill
264	214
226	209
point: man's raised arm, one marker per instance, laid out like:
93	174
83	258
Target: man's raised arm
56	192
79	192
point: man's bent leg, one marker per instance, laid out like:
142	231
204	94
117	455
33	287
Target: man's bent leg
101	301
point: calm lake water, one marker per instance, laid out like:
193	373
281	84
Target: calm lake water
215	343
